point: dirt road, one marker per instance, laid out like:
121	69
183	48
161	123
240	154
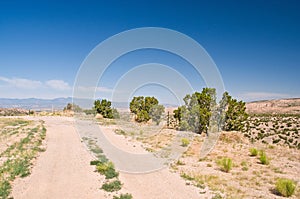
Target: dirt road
63	170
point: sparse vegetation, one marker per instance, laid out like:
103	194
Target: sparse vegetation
273	129
19	155
263	158
123	196
95	162
185	142
244	166
5	188
225	164
180	163
285	187
107	169
72	107
120	132
253	152
115	185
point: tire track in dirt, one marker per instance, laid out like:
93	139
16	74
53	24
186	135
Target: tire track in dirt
63	170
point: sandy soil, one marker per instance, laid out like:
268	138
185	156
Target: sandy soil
158	185
63	170
161	184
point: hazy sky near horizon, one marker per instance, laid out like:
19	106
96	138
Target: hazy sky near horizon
255	44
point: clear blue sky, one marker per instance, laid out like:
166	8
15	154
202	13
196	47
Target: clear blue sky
255	44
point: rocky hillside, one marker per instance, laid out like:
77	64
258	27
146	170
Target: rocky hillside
12	111
281	106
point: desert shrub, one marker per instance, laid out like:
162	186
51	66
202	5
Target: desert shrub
226	164
96	150
285	187
19	167
107	169
5	189
185	142
115	113
276	141
244	166
253	152
120	132
111	173
102	158
123	196
112	186
217	196
180	162
187	176
263	158
95	162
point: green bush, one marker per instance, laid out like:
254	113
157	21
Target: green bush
226	164
285	187
111	173
263	158
107	169
95	162
185	142
112	186
253	152
123	196
103	107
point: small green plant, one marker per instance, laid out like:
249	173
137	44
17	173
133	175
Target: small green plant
186	176
185	142
244	166
226	164
123	196
285	187
263	158
111	173
112	186
95	162
120	132
253	152
5	189
217	196
107	169
180	163
20	168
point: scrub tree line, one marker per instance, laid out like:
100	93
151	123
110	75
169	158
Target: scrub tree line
202	111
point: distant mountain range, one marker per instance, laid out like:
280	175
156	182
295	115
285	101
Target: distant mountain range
56	104
35	104
263	106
